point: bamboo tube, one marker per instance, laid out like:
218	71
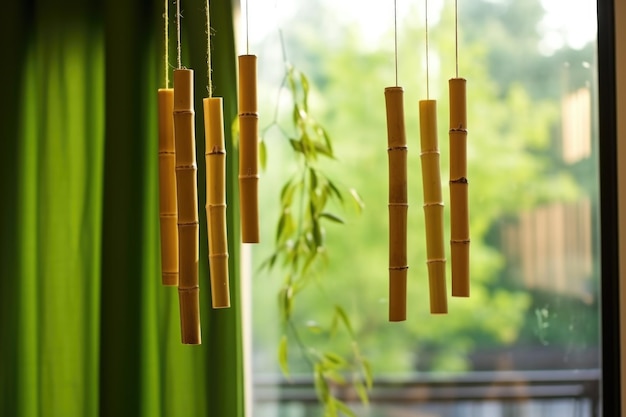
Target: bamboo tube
398	202
459	200
187	195
168	212
433	206
216	200
248	149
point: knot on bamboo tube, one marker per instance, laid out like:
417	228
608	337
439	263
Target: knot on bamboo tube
459	129
461	241
186	167
461	180
216	151
398	268
188	289
186	224
249	114
167	153
398	148
169	278
430	152
184	112
433	261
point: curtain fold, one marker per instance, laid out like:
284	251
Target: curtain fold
86	328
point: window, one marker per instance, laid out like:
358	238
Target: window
528	340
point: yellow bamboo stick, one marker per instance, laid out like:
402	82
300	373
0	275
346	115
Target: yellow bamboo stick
459	200
398	202
187	197
248	149
216	200
168	212
433	207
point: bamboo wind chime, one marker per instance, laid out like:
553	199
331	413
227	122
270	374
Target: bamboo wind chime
398	202
216	188
168	211
178	198
248	144
433	199
187	197
459	199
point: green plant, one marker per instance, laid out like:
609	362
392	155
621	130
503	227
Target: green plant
300	252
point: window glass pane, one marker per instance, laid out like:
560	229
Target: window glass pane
526	342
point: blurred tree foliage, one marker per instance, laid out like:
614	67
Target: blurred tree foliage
514	94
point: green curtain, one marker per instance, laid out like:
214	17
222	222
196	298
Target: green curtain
86	329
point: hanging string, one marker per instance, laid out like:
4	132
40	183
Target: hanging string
395	36
178	46
166	44
456	37
208	50
247	30
427	66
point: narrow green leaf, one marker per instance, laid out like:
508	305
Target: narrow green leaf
280	227
309	261
285	296
305	90
317	235
343	407
332	375
323	149
313	177
357	200
328	141
262	155
334	359
297	145
335	190
321	386
308	147
344	318
332	217
287	192
283	355
330	408
268	262
367	373
285	228
361	392
295	115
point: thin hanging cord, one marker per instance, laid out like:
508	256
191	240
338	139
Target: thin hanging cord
427	81
166	44
456	36
208	50
395	36
178	46
247	29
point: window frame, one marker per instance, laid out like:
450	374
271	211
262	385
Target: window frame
609	203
